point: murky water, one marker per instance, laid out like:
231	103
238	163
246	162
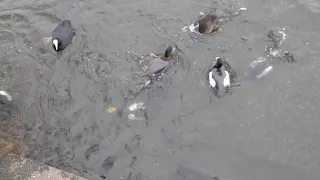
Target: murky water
267	129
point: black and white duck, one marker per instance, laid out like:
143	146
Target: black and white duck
221	77
62	35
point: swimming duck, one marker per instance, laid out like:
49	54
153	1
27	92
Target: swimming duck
221	77
5	94
218	75
6	107
159	64
206	23
62	35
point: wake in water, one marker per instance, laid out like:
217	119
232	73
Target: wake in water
275	54
136	89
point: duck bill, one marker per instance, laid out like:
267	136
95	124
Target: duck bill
212	82
55	43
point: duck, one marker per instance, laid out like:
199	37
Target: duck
62	35
6	107
6	95
221	77
161	63
218	75
206	23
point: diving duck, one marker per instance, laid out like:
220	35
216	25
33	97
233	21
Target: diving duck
206	23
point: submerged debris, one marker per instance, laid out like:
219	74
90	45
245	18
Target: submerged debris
108	163
288	57
111	110
131	117
244	38
136	106
277	37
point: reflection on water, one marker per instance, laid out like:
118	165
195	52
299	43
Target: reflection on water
163	127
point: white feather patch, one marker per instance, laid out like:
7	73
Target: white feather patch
226	80
6	94
212	82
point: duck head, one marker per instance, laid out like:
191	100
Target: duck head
66	22
168	52
219	63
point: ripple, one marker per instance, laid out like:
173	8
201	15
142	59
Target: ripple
312	5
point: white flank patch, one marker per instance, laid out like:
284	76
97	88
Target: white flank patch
4	93
226	80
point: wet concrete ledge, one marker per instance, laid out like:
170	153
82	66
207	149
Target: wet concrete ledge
13	167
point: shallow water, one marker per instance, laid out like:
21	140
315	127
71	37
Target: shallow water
268	128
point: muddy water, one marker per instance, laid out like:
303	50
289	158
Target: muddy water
267	129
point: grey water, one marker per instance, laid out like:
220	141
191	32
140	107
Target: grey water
267	129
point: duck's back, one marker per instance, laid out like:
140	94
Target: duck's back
64	32
157	65
6	108
219	78
206	25
220	88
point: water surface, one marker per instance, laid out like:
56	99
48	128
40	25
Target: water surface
267	129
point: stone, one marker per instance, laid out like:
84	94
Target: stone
244	38
14	167
8	145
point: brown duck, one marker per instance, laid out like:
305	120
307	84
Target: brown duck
207	23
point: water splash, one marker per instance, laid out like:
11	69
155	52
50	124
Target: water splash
136	106
191	27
